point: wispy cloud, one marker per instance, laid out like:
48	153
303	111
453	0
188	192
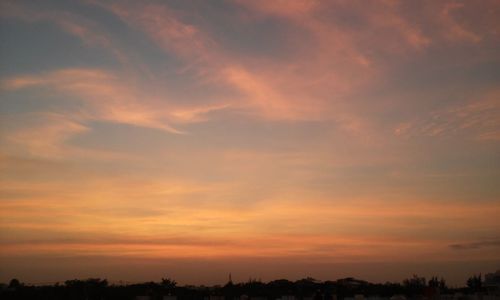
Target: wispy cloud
46	135
106	97
103	96
478	119
454	30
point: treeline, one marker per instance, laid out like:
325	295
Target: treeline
307	288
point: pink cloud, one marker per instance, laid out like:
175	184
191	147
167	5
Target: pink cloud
163	26
265	90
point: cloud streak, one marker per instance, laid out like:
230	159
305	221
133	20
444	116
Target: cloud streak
476	245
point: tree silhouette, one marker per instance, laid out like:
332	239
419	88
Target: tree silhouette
436	283
475	282
415	285
15	284
168	284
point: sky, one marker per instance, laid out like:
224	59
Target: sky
266	139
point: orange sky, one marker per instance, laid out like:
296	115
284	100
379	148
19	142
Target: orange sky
264	138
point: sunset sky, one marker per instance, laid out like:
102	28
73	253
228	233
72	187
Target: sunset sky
269	139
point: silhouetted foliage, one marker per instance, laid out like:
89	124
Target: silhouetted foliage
168	284
309	288
415	285
439	284
475	282
14	284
